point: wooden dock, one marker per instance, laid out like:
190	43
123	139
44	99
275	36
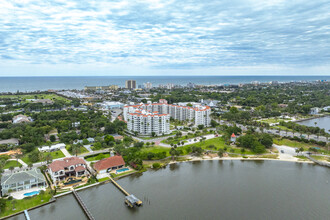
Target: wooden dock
83	206
130	199
26	215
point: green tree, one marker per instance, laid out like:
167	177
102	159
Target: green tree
52	138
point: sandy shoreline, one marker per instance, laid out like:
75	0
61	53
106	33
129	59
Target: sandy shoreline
240	158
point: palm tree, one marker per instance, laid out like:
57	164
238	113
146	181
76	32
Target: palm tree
75	149
49	158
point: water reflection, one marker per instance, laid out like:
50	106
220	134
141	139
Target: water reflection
174	166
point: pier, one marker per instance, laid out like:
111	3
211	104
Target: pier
130	199
26	215
83	206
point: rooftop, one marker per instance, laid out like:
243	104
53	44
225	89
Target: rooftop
109	162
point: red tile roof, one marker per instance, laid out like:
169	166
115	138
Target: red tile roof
66	162
79	168
109	162
233	135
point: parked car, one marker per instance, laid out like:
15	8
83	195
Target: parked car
282	151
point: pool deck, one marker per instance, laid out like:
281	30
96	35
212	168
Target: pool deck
20	194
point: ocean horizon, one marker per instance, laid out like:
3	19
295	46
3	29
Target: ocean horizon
43	83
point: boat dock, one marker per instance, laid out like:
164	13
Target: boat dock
130	199
26	215
83	206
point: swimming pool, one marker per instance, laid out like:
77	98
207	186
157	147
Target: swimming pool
121	170
32	193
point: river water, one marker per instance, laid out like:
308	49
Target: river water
323	122
208	190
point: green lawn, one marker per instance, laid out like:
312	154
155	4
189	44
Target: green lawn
82	150
296	144
54	154
11	163
104	179
97	157
175	140
217	142
23	98
113	175
283	128
156	149
23	204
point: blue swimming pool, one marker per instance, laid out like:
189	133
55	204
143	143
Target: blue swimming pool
32	193
122	170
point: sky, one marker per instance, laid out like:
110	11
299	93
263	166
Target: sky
164	37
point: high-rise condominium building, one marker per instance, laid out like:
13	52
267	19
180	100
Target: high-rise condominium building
130	84
147	118
148	85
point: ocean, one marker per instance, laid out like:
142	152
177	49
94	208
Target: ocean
28	84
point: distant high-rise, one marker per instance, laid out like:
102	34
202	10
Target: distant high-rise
130	84
147	85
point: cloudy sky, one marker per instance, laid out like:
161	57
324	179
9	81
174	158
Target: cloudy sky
170	37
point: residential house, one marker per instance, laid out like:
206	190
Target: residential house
22	180
54	147
233	138
70	166
21	119
11	141
314	111
108	164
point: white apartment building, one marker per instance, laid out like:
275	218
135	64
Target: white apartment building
148	118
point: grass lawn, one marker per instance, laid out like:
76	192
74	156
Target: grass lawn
96	157
175	140
54	154
296	144
23	204
271	120
283	128
11	163
113	175
301	157
23	98
82	150
321	158
104	179
156	149
217	142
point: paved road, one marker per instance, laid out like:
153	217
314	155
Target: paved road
115	113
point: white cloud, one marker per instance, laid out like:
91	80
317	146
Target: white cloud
159	34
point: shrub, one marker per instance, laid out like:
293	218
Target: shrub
156	165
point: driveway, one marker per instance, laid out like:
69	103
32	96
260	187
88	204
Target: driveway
88	147
65	152
289	153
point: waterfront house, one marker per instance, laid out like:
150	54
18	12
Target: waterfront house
315	111
22	180
108	164
59	170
